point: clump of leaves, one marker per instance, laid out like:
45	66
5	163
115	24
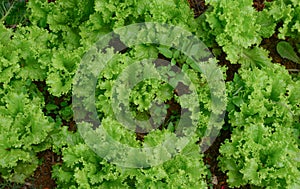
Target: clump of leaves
82	168
24	131
264	113
236	27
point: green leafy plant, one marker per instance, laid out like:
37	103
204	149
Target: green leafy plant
236	27
82	168
286	12
44	42
71	38
263	150
286	50
24	131
63	36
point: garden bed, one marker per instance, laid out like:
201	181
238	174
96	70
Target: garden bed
48	88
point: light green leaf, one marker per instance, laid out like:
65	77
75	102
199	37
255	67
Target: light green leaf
165	51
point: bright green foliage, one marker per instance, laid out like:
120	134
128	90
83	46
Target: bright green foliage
264	101
147	97
153	91
288	12
264	146
63	50
24	56
9	59
255	57
235	26
75	26
119	13
238	28
24	130
110	15
82	168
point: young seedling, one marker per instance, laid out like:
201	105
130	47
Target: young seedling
285	50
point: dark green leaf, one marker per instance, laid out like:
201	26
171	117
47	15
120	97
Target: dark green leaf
285	50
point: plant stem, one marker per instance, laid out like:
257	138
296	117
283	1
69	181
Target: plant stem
7	12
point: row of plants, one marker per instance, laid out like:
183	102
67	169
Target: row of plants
43	43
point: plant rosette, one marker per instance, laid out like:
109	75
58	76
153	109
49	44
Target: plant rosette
106	73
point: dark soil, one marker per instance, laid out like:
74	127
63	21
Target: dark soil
259	5
198	6
270	45
232	68
210	158
212	153
42	175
